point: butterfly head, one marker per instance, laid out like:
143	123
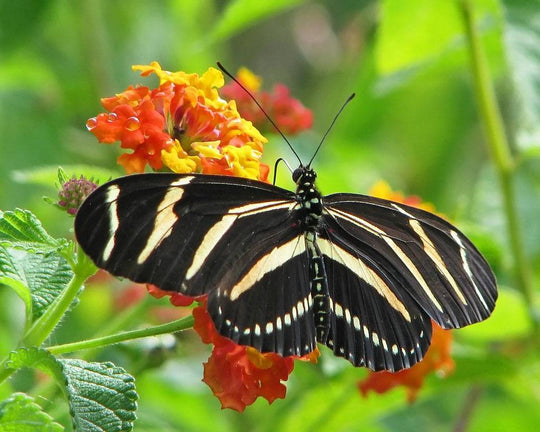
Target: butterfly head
303	175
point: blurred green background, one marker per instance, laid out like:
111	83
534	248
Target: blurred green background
414	123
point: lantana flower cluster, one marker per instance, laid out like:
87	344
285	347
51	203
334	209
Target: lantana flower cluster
287	112
183	126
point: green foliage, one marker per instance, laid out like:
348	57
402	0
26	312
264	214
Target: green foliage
522	40
101	396
24	231
19	413
419	121
37	278
240	14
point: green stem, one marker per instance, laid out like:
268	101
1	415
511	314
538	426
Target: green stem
121	321
499	148
172	327
43	327
83	268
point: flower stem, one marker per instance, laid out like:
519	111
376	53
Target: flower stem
470	404
171	327
501	155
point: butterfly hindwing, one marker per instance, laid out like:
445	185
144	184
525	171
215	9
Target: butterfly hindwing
374	321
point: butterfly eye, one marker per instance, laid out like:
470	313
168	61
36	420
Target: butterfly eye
297	173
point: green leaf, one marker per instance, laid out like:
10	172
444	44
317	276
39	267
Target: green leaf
411	32
36	278
241	14
20	413
522	41
22	229
418	32
101	396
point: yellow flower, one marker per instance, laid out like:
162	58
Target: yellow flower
244	161
209	149
381	189
179	161
251	81
205	85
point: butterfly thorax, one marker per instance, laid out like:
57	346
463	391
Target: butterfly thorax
309	198
309	214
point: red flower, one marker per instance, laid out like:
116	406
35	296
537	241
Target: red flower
287	112
237	374
177	299
437	359
137	125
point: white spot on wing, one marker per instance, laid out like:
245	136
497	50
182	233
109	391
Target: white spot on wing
347	316
300	308
356	323
287	319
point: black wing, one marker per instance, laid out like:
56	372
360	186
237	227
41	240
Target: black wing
235	240
390	269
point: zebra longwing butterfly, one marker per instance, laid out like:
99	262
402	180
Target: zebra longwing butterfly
284	270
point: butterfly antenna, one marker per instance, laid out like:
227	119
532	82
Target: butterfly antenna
276	167
226	72
330	127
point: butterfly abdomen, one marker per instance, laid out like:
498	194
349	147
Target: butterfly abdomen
310	213
318	289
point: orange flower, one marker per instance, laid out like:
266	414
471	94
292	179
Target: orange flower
287	112
381	189
177	299
237	374
167	126
437	359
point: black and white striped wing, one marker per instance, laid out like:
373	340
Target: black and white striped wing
391	268
232	239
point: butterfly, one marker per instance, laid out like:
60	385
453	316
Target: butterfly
283	270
